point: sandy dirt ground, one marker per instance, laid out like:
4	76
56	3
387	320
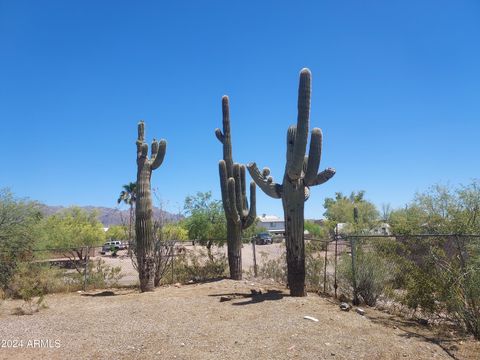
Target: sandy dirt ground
191	322
130	275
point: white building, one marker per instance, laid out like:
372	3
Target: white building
274	224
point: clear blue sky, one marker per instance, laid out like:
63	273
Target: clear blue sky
396	90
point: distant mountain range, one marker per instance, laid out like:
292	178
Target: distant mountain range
112	216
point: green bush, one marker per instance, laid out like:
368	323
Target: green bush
19	219
373	275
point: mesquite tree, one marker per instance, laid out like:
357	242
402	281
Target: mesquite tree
144	230
300	175
232	183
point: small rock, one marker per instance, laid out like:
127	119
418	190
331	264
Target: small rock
225	298
360	311
310	318
190	281
327	344
177	285
182	344
344	306
333	354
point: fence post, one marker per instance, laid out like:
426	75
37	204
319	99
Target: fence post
325	270
352	246
335	285
255	270
173	274
87	257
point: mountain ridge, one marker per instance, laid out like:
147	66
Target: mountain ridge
110	216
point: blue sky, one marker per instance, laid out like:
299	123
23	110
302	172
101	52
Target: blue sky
396	90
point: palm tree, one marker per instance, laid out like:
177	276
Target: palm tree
128	196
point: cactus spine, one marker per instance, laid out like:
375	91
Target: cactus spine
232	184
145	237
300	175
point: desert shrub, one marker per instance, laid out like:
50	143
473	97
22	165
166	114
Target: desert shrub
442	278
373	274
275	269
30	283
458	287
101	275
314	266
198	267
19	220
35	280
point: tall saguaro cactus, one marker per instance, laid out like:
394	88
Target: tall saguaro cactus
145	237
300	175
232	183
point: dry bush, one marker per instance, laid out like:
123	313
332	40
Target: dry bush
276	269
198	267
101	275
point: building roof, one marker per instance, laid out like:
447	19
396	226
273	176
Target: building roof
269	218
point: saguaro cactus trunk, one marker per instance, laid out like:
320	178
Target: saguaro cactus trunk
300	175
145	237
232	183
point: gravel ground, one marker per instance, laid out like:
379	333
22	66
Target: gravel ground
190	322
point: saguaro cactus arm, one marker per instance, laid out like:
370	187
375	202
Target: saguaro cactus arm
323	176
294	170
159	154
314	156
158	149
252	212
231	205
264	181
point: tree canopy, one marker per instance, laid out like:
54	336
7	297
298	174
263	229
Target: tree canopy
72	230
440	209
340	210
206	220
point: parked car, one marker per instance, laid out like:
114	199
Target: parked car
263	239
114	244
